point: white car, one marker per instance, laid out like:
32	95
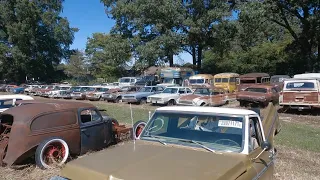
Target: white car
57	93
8	101
169	96
30	87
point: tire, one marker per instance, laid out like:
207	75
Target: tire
118	99
56	145
137	128
143	101
171	102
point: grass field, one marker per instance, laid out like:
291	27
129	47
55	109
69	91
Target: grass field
298	144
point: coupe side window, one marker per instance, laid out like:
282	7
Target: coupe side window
188	90
255	134
89	115
181	91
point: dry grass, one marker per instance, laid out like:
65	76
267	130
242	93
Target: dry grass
27	173
297	164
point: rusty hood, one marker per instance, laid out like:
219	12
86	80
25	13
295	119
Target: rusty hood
144	160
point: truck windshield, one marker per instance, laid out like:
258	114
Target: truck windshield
217	132
170	90
196	81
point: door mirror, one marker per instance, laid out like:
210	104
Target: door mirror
266	145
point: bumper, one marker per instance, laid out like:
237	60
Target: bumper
158	101
185	104
58	178
253	100
93	98
109	98
299	106
130	100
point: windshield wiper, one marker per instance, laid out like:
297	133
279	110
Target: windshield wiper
200	144
157	139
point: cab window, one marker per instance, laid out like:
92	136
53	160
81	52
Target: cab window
255	133
90	115
189	90
181	90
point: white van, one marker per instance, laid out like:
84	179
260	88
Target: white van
128	81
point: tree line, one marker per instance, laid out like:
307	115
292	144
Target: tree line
273	36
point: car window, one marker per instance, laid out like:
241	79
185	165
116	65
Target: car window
255	136
154	89
160	88
274	90
189	90
182	90
89	115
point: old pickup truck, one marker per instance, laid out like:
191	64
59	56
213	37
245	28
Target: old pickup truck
189	143
53	131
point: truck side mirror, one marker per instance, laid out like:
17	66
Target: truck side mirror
266	145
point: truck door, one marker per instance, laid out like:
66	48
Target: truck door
263	165
92	130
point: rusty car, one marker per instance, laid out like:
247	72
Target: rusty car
52	131
216	97
189	143
115	95
300	94
249	79
259	94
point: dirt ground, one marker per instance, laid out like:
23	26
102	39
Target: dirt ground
291	163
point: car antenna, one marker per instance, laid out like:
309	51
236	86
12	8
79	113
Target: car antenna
133	133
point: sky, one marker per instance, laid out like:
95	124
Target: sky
90	17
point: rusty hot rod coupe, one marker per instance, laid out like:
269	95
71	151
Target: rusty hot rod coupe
189	143
52	131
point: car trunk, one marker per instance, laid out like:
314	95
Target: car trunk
301	96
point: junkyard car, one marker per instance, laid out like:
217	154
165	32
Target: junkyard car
115	95
142	95
277	81
8	101
97	95
169	96
79	93
189	143
259	94
52	131
217	97
58	92
300	93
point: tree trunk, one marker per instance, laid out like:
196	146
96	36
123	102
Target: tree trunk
170	59
199	58
194	56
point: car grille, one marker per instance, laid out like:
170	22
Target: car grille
155	98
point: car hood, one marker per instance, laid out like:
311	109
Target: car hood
139	94
190	97
152	160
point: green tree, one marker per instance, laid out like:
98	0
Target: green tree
33	38
107	54
76	66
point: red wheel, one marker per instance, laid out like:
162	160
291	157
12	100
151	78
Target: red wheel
138	127
52	152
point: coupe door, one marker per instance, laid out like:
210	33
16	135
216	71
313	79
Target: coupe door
92	129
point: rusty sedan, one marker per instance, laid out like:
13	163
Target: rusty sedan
189	143
258	94
52	131
187	100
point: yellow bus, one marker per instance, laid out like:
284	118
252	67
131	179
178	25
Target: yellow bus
200	80
227	81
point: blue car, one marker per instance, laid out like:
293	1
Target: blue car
18	90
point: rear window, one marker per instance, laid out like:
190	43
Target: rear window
260	90
300	85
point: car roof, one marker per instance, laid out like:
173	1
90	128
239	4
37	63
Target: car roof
216	110
15	96
26	112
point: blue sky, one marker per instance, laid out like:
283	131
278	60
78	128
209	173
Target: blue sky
89	16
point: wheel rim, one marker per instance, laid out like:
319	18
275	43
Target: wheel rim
54	153
139	129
